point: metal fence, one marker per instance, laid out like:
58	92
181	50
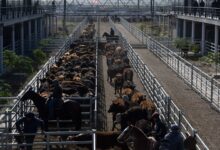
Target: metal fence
16	108
205	85
168	110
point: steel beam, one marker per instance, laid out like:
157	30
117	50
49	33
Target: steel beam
1	48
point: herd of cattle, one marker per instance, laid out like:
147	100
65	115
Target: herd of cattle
76	73
76	69
130	105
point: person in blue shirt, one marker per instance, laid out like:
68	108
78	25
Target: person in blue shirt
174	138
29	125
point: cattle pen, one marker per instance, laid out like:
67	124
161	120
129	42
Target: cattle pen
94	107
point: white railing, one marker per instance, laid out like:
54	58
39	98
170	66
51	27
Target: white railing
15	111
167	108
48	141
205	85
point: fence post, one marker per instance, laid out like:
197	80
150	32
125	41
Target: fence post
48	142
180	118
178	68
192	67
2	141
212	82
93	139
168	110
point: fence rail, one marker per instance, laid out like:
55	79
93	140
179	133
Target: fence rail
169	111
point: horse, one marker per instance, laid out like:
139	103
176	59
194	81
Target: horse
110	38
141	141
70	109
118	83
128	74
104	140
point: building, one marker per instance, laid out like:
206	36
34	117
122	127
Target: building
22	24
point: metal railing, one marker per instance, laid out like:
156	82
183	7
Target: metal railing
16	110
205	12
209	46
205	85
8	13
167	108
48	142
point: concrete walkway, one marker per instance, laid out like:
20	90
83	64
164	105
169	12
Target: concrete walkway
197	111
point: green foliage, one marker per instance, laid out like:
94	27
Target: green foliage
15	63
39	56
182	43
195	48
44	42
211	58
4	91
24	65
10	60
142	27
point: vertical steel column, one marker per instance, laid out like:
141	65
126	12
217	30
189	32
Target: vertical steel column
177	27
203	37
184	28
41	28
64	15
29	34
1	48
35	32
46	26
13	37
98	32
49	27
193	32
22	38
216	38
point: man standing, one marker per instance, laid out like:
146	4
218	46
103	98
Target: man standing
174	138
30	125
159	128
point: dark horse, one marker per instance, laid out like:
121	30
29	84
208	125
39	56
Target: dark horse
110	38
70	109
141	141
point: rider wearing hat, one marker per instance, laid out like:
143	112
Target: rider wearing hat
55	100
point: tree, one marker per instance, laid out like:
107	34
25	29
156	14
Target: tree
182	44
39	56
10	60
4	91
24	65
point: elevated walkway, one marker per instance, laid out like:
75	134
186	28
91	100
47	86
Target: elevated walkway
198	112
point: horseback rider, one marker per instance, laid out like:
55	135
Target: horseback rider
112	32
55	99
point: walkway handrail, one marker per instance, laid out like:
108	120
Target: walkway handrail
204	84
15	12
207	12
165	105
48	141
